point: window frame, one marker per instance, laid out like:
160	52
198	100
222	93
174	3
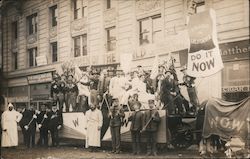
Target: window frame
32	51
151	29
82	46
15	60
14	28
53	15
32	28
53	47
109	40
79	11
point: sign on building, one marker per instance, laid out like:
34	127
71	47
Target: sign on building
204	57
40	78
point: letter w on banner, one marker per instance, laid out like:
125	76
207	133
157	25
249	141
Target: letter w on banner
204	57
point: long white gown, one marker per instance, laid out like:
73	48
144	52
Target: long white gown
94	119
9	123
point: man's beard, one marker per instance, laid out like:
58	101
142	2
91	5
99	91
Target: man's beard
92	109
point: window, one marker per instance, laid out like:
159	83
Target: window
80	45
111	39
200	7
80	9
32	56
84	44
195	6
14	60
77	46
32	24
14	30
109	4
53	15
150	30
54	51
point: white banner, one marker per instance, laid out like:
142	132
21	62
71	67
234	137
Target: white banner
204	57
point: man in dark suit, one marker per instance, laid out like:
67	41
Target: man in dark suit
168	92
43	121
55	124
137	120
116	115
151	123
28	125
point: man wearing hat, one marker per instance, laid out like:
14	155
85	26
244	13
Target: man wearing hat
151	123
168	92
43	122
94	121
55	124
136	119
188	81
116	115
9	119
71	93
58	90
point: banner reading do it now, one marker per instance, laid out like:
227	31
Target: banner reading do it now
204	57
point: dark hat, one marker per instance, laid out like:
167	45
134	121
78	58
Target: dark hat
113	99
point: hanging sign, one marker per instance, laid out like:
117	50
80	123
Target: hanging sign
204	57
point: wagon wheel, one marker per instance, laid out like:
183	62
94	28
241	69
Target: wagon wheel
182	138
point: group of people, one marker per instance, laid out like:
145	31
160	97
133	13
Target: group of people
89	92
141	122
49	119
75	94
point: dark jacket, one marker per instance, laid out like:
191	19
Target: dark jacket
116	116
167	87
26	119
154	122
43	121
55	119
136	121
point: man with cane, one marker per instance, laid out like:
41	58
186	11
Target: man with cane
43	121
30	127
151	123
55	124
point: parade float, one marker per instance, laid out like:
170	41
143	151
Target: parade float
212	117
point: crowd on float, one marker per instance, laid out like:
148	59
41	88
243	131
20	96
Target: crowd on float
89	92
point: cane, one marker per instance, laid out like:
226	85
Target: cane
171	101
144	128
29	122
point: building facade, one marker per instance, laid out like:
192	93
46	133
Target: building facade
47	33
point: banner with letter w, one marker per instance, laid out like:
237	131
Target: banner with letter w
204	57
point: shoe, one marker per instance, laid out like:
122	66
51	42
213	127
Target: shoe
117	152
155	154
134	153
113	151
148	154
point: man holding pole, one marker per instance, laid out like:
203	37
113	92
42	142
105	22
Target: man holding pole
116	115
151	123
30	127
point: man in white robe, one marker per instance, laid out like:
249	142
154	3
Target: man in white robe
94	121
9	120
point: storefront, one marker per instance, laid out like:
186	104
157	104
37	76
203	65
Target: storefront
18	96
235	75
39	86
